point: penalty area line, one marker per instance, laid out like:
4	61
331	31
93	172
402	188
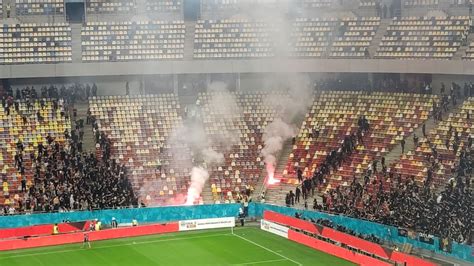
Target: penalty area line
267	249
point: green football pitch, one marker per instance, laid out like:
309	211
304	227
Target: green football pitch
247	246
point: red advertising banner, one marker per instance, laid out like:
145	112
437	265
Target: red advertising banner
347	239
62	239
36	230
334	250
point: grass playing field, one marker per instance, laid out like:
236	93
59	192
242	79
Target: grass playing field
248	246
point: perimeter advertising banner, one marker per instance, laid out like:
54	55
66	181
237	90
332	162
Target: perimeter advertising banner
274	228
211	223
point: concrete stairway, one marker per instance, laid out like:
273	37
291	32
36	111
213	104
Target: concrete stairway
381	31
76	42
431	124
206	194
89	139
275	193
189	41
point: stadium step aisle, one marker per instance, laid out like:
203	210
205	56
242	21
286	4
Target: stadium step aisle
76	42
381	31
189	40
431	124
88	141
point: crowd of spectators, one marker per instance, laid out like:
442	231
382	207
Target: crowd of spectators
333	161
340	228
63	176
446	213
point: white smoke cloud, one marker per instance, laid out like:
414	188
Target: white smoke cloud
199	176
289	108
208	145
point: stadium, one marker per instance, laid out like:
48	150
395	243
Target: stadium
236	132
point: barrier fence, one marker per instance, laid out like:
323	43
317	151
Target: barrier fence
178	213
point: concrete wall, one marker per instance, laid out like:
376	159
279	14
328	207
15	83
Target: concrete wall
453	67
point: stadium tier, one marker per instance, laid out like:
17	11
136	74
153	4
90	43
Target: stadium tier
233	38
470	52
244	127
354	37
110	6
131	41
334	117
32	43
316	3
311	37
219	4
367	3
139	128
421	3
1	9
39	7
163	5
423	38
436	157
26	124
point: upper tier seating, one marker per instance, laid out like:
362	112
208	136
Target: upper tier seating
421	3
163	5
232	38
316	3
220	4
131	41
312	37
1	8
367	3
110	6
243	164
30	43
39	7
354	37
423	38
139	128
417	163
333	37
31	133
334	116
469	52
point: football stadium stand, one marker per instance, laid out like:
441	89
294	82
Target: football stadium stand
426	38
110	6
354	37
243	166
32	43
436	157
139	128
226	39
381	152
163	5
39	7
131	41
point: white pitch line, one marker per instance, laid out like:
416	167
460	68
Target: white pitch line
110	246
259	262
267	249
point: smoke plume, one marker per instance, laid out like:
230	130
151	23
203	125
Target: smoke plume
207	145
289	109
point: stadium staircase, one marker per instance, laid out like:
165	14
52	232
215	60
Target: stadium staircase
189	40
206	194
88	143
76	42
431	124
381	31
